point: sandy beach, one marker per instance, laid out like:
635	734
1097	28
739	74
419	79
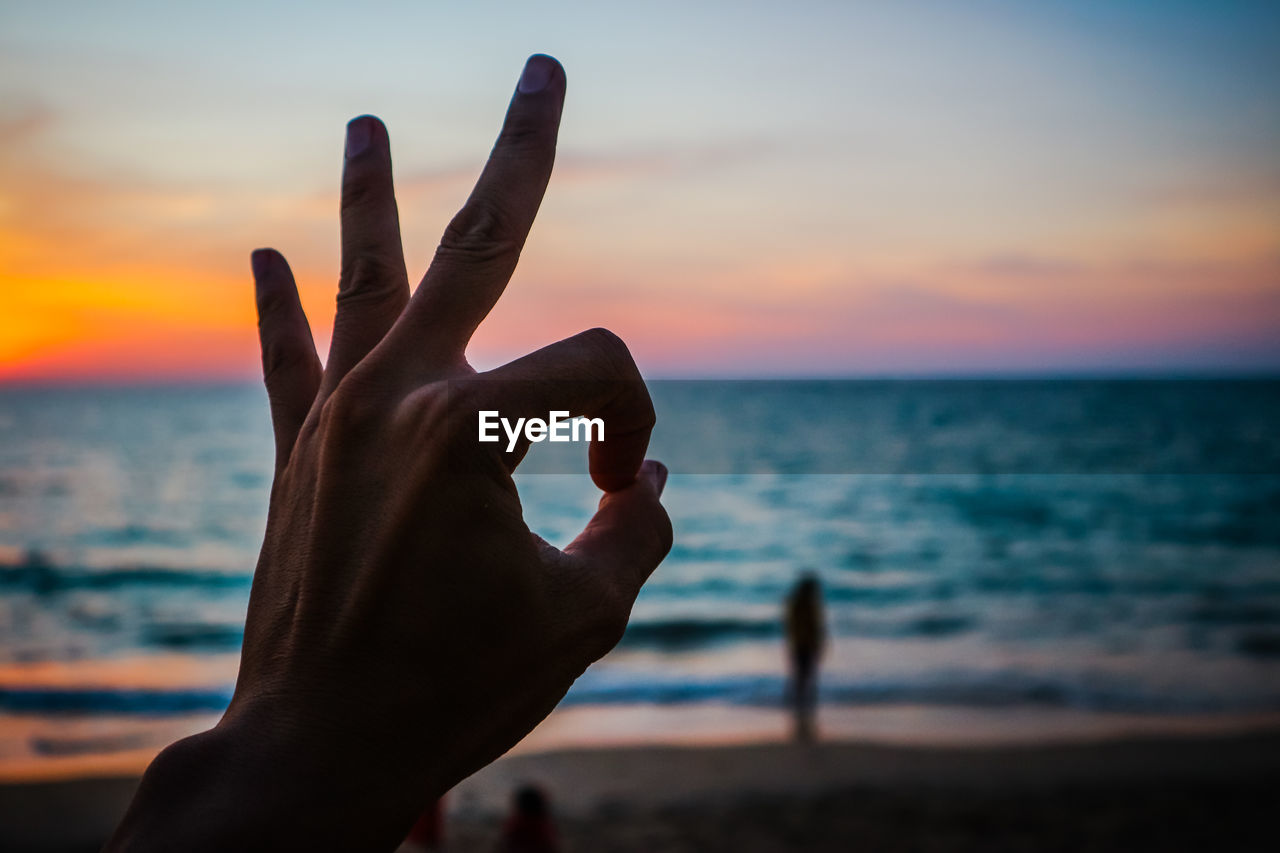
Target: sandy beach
1188	792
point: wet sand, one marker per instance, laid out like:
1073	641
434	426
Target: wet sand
1122	817
1206	792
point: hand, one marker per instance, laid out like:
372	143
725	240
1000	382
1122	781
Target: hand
405	626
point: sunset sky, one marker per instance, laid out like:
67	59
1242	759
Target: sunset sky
742	189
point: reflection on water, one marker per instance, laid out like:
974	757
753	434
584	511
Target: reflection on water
1140	575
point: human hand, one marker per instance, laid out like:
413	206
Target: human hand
405	626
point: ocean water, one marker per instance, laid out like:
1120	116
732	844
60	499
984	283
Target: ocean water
1105	547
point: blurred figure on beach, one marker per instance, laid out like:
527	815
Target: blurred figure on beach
806	639
529	829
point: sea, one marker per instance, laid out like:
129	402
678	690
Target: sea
1005	549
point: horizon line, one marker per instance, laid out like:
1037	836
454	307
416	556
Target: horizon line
1116	375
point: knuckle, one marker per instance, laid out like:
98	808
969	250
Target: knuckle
307	431
458	405
286	360
422	415
436	404
609	349
605	340
610	609
609	624
614	357
444	411
272	302
600	607
522	136
482	232
362	190
455	411
348	409
369	275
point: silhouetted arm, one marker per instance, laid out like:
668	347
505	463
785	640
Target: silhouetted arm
405	627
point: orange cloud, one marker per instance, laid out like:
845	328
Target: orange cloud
115	277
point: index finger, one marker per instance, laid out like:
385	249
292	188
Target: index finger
590	374
479	250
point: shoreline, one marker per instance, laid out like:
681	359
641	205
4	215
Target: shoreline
624	726
641	783
924	726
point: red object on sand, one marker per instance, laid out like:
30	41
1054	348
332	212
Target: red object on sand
428	830
529	834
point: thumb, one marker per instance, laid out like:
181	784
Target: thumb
630	533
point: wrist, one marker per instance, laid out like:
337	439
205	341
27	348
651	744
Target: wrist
184	794
248	784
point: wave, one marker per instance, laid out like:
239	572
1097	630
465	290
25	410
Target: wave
195	636
37	574
690	633
1259	644
109	700
977	689
1078	691
687	633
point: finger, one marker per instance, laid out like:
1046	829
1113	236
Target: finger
590	374
373	286
479	249
630	533
290	367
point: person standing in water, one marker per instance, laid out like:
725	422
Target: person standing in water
806	639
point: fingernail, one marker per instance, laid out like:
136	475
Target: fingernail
537	73
260	261
359	135
658	473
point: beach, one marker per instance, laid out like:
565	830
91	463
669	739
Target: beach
1133	793
763	427
1042	631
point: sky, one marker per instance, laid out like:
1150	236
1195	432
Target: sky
741	189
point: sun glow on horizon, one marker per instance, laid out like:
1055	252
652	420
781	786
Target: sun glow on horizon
832	191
